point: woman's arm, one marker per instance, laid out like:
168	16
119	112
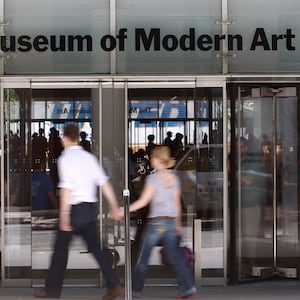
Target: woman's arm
144	199
177	200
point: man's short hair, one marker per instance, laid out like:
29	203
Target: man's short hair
71	131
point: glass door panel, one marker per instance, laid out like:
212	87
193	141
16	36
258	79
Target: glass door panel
287	158
209	179
193	120
17	192
112	129
29	225
51	110
255	183
267	181
167	116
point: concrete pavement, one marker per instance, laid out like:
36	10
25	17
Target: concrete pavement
267	290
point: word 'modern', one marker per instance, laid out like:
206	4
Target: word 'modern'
149	40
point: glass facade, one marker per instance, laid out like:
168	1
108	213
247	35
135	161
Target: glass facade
133	37
32	114
215	123
275	18
219	77
56	36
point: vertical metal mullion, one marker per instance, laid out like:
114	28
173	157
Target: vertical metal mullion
2	33
100	159
7	183
126	135
239	192
2	157
126	197
197	247
128	284
225	182
275	184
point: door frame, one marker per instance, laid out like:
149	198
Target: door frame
20	83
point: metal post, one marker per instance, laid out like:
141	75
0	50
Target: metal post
197	247
128	292
274	179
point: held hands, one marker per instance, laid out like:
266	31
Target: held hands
122	212
116	213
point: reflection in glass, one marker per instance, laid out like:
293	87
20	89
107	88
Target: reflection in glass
267	177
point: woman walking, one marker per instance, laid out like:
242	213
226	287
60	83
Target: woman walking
162	192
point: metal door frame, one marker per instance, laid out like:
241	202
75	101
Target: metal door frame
221	83
20	83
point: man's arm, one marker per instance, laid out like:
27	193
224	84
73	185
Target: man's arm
65	210
112	201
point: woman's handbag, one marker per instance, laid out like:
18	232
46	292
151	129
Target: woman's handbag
186	252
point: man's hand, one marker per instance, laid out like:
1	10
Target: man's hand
116	214
65	222
65	210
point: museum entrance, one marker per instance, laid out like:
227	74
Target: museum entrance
266	181
116	118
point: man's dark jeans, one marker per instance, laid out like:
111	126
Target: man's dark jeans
84	224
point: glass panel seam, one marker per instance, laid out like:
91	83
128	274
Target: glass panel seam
225	32
112	25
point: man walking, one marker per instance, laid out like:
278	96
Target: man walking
80	173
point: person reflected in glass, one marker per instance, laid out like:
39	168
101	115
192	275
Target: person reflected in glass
168	140
84	143
254	189
39	145
42	188
177	146
162	192
55	150
151	145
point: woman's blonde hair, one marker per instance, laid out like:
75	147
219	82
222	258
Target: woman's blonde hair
163	153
